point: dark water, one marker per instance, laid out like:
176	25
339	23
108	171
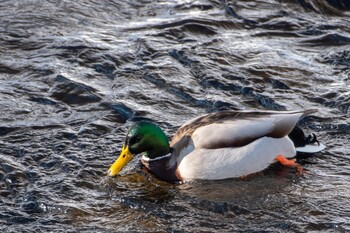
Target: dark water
74	74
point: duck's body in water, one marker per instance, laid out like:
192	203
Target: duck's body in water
218	145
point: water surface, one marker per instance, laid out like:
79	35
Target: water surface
75	74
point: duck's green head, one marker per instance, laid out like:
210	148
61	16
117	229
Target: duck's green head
142	137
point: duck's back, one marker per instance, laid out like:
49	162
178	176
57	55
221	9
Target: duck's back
237	128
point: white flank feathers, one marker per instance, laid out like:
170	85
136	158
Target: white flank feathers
213	164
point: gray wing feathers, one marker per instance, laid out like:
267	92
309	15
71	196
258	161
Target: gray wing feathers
238	128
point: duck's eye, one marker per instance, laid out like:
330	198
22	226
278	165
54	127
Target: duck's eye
135	139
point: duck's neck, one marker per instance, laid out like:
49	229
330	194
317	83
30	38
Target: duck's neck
158	152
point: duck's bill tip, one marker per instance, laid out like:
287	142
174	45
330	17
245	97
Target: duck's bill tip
111	173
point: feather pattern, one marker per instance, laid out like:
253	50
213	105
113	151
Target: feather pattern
237	128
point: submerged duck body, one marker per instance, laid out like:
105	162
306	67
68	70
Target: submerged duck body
219	145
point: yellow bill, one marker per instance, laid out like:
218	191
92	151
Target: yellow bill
124	157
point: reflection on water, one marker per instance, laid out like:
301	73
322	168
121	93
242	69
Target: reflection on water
73	75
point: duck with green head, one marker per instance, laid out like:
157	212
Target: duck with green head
220	145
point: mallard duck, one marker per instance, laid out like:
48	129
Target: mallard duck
220	145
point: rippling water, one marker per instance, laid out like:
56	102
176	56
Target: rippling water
74	74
